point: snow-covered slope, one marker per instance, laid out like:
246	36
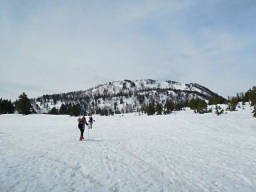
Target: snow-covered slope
178	152
126	96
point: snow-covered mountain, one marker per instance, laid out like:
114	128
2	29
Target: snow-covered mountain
126	95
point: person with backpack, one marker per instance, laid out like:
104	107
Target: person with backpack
90	122
81	125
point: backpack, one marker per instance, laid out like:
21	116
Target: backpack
90	119
80	123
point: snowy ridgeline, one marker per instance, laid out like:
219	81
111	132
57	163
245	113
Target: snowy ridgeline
183	151
125	96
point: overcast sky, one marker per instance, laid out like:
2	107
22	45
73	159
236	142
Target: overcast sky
58	46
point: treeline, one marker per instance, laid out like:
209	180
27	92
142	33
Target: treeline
22	105
159	108
154	105
6	106
68	109
76	110
249	96
201	106
198	105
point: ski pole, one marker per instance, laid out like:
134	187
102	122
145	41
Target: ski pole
88	131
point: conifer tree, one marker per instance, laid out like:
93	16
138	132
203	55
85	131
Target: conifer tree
75	110
150	109
179	106
159	109
98	111
217	100
63	109
23	105
54	111
104	112
252	96
6	106
198	105
168	107
254	111
233	104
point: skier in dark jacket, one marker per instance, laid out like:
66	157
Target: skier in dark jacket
81	125
90	122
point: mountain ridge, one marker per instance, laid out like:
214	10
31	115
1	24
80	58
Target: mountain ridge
125	95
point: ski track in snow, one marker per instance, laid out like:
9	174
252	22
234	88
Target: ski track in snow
178	152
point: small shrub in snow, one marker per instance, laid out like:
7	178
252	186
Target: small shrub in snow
218	110
117	111
254	111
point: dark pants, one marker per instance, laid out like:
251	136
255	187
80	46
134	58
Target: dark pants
82	131
81	128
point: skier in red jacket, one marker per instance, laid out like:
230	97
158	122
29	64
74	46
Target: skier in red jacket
81	125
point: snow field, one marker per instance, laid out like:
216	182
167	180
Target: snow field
182	151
